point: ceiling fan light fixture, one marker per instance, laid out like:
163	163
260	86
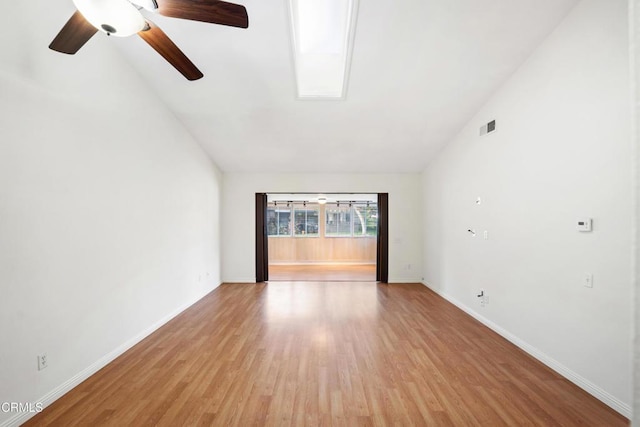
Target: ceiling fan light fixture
119	18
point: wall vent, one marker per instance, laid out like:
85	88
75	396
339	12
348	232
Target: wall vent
488	128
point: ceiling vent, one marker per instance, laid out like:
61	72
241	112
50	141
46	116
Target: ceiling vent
488	128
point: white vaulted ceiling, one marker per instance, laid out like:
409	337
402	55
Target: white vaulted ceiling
420	69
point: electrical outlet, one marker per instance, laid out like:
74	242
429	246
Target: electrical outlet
42	362
483	298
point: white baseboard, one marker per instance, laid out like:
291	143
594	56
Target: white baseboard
72	382
240	280
578	380
404	280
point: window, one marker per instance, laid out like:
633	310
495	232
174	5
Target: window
338	221
278	221
302	219
306	221
355	219
365	220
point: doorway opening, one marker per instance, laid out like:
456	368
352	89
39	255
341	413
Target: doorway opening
320	237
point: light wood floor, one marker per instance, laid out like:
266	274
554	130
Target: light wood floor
322	273
326	354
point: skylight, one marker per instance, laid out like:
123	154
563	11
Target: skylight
323	32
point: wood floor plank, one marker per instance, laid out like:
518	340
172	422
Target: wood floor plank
326	353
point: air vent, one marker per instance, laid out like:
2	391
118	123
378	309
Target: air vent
488	128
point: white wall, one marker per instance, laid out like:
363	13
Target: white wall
109	212
238	216
561	151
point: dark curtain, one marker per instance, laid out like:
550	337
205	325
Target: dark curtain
382	257
262	253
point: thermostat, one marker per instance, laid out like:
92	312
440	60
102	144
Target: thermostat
584	224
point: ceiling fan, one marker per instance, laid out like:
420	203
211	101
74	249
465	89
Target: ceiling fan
123	18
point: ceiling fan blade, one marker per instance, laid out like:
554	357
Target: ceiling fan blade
75	33
157	39
212	11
